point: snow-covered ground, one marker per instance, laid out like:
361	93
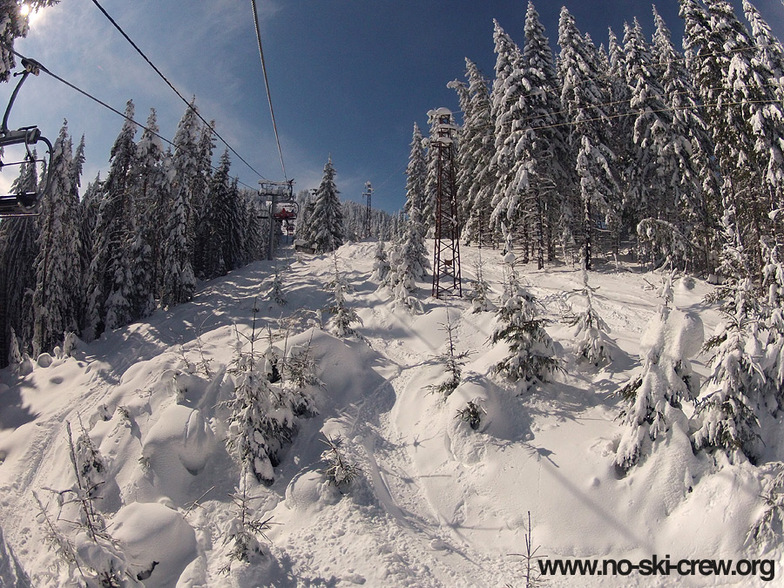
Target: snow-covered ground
436	504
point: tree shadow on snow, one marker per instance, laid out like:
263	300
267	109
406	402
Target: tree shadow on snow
13	413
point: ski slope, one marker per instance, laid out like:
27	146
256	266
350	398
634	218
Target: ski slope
436	504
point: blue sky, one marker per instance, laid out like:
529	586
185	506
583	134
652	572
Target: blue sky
348	77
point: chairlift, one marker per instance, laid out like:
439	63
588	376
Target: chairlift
24	202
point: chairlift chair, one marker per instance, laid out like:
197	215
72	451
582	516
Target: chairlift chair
24	202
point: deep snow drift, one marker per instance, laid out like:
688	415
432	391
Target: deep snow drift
436	503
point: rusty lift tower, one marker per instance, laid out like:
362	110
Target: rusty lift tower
446	251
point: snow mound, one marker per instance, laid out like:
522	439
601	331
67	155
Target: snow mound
156	540
176	449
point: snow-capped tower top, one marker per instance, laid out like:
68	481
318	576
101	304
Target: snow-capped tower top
442	122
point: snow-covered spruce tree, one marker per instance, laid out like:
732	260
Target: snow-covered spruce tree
381	267
57	292
583	100
411	245
261	419
406	268
178	281
727	418
109	280
245	530
416	173
543	176
772	310
476	139
201	177
148	188
531	360
742	113
215	244
452	360
508	108
689	170
343	316
653	398
480	289
590	330
325	222
299	379
18	251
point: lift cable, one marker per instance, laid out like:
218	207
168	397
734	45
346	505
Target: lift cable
174	89
111	108
267	86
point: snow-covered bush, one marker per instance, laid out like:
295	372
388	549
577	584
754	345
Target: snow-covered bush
767	531
471	414
339	471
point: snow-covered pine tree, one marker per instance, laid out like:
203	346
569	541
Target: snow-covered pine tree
58	271
651	135
474	176
109	280
689	171
653	398
583	100
261	419
509	111
213	255
407	265
772	310
325	222
452	360
147	188
343	316
542	147
416	173
18	251
480	291
178	281
381	267
590	330
201	177
531	360
742	114
727	418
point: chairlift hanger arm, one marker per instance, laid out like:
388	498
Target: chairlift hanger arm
24	202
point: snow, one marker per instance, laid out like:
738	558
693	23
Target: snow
436	503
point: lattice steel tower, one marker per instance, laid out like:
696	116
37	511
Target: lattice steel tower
446	254
368	194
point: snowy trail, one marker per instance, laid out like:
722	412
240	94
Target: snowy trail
437	504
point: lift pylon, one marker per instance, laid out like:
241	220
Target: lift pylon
446	251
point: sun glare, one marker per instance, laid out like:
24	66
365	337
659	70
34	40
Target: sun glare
28	12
